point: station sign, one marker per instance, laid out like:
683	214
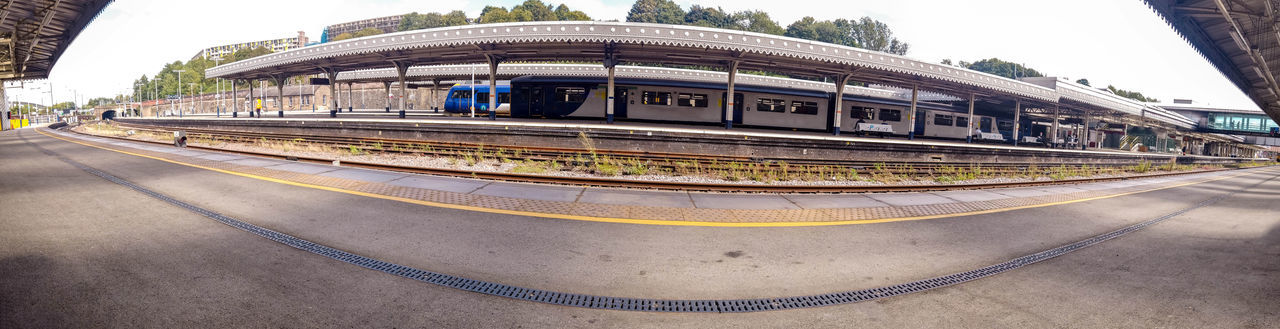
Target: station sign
320	81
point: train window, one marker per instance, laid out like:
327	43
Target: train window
943	120
962	121
771	105
504	98
890	115
482	97
691	100
656	98
461	94
865	113
571	94
804	107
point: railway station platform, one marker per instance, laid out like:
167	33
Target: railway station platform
81	249
635	205
676	139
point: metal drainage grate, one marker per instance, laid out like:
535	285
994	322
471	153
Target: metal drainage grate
640	304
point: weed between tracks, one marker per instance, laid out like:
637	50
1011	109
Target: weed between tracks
590	162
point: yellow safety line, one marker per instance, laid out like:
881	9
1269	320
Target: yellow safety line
638	221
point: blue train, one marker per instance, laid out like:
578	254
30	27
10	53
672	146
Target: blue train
703	103
461	97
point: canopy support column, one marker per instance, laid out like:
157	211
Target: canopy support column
969	129
253	102
1084	142
386	97
1053	139
280	80
911	116
1017	120
841	81
333	89
493	86
402	68
610	61
235	98
729	99
351	100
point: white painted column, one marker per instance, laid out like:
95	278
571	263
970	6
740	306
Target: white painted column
728	97
1053	139
1017	121
351	100
911	115
386	97
608	104
493	87
841	81
969	130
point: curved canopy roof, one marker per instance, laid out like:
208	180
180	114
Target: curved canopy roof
630	42
34	33
456	72
1240	37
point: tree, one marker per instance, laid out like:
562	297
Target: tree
756	21
93	102
538	11
1083	81
415	21
366	32
1131	95
565	14
492	14
343	36
871	34
656	11
1001	68
708	17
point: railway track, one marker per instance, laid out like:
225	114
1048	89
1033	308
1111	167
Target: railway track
575	156
665	185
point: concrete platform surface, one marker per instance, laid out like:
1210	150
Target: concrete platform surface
79	251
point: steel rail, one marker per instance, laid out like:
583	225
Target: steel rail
663	185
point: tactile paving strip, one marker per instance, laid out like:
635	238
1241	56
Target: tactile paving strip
646	212
641	304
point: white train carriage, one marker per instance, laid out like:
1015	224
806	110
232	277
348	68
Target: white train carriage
756	106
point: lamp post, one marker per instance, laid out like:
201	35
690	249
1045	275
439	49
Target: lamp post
192	105
179	91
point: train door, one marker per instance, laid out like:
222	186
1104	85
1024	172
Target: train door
986	124
620	102
737	107
536	101
920	122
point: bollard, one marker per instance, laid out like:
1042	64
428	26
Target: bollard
402	114
235	114
281	114
333	113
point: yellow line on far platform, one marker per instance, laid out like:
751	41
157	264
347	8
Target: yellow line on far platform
630	220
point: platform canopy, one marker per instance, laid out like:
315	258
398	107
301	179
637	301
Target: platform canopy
463	72
1240	37
593	42
34	33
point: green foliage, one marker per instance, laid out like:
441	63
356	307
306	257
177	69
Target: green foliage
1131	94
101	101
656	11
366	32
1001	68
866	33
416	21
530	11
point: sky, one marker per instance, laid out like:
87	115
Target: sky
1117	42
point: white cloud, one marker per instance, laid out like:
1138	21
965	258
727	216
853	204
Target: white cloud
1117	42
